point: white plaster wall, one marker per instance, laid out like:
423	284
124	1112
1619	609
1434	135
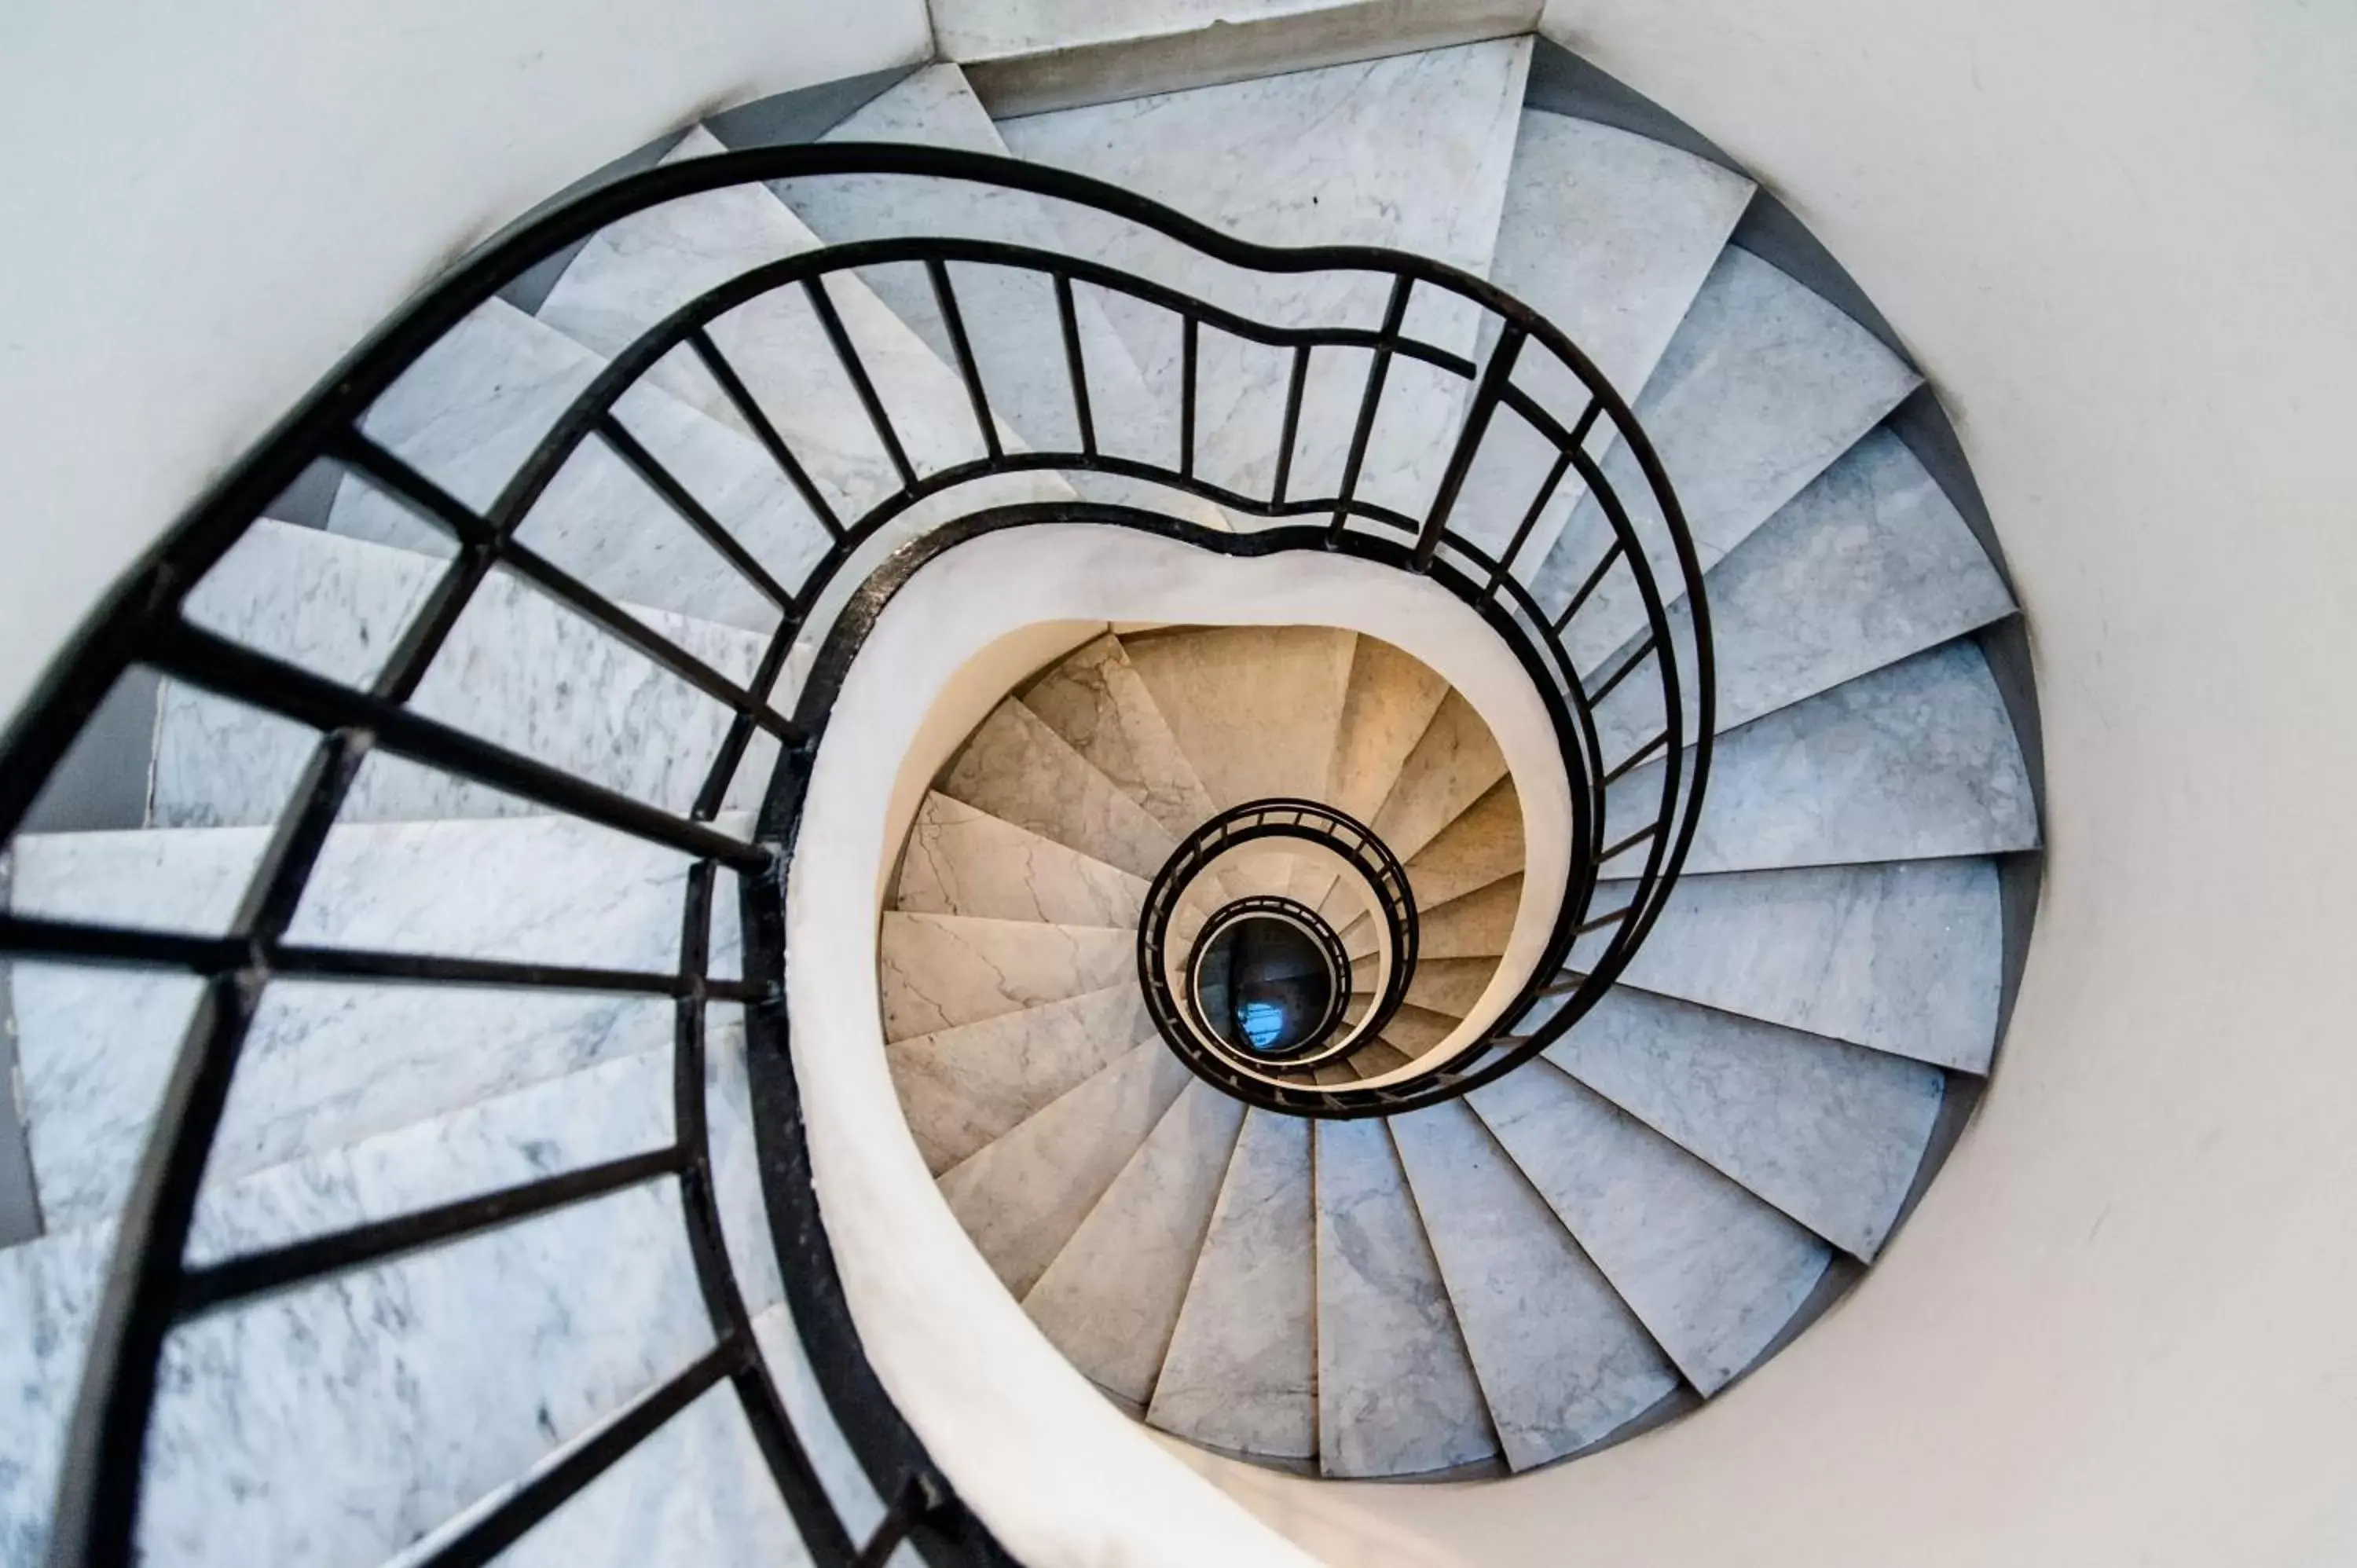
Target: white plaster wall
2122	239
206	205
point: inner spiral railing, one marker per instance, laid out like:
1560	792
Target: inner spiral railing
1514	379
1334	959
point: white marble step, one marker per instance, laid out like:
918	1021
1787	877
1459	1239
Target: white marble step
1410	152
1764	385
1111	1299
1562	1359
1829	1132
960	861
1241	1373
1609	235
1397	1391
1386	709
1870	563
1017	769
1904	957
474	407
941	970
326	1063
983	29
518	669
1482	845
1713	1271
1454	764
1012	324
1097	701
1254	709
1022	1197
963	1087
1914	761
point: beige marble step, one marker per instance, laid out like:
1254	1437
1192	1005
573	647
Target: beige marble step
941	970
1455	763
1094	698
961	860
1018	769
961	1087
1477	849
1474	924
1386	708
1255	709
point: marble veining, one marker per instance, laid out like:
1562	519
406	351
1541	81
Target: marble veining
973	29
965	1086
960	861
1916	760
1397	1391
1021	1198
1095	700
1481	845
1111	1298
1561	1359
1017	769
1386	709
1903	956
48	1296
1827	1132
1455	763
1254	708
941	970
1241	1373
1712	1270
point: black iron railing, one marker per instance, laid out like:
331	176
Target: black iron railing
1517	382
1332	956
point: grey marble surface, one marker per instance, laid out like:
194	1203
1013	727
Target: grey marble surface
1483	844
1455	762
940	971
1904	957
840	1474
518	669
1712	1272
1412	151
1017	769
979	29
1021	1198
1241	1373
1386	708
1562	1359
1095	699
960	861
1913	761
1869	565
1827	1132
965	1086
1111	1298
49	1295
474	407
1764	384
1254	709
1396	1393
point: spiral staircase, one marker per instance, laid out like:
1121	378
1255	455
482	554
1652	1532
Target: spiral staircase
1349	1070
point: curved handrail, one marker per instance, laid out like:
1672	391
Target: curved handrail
1307	922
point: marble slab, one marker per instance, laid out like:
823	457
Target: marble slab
1455	763
1904	957
1254	708
1017	769
1562	1359
841	1475
1397	1391
1713	1271
1827	1132
973	29
1914	761
1021	1198
1476	925
48	1296
1243	1366
518	669
1414	1030
940	971
1870	563
1450	985
1095	699
1111	1298
1376	1058
1386	708
965	1086
737	1159
960	861
1763	386
477	403
1479	847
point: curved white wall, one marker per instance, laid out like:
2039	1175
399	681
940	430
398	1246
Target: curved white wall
207	205
2122	239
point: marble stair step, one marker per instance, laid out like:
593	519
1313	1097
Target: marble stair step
1396	1390
942	971
1450	985
1829	1132
1563	1361
1483	844
1096	700
1410	152
1872	563
961	1087
329	1062
1242	1371
1021	1197
1414	1030
1915	761
1018	769
1712	1272
961	860
1111	1299
1609	235
518	669
1763	386
1387	708
474	407
1254	708
1376	1058
1478	924
1455	762
1903	957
